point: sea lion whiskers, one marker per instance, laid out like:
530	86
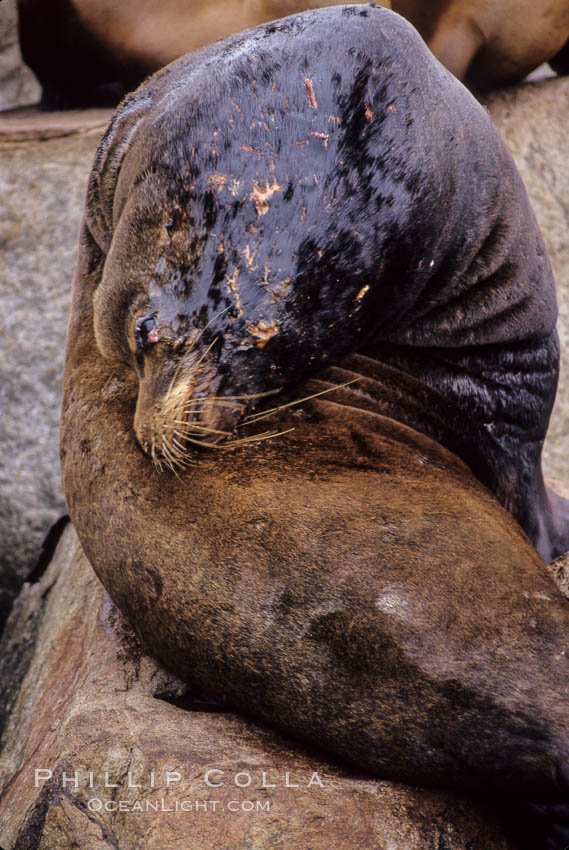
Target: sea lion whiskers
195	426
174	448
166	450
244	396
254	438
192	343
256	417
189	432
173	454
172	457
192	427
185	363
173	418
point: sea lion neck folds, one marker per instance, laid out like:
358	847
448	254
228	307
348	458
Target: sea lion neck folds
303	191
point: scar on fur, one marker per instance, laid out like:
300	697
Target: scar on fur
310	90
263	331
261	195
362	292
323	137
217	180
249	255
232	286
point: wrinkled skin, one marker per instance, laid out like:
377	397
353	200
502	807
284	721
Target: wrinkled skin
492	43
350	582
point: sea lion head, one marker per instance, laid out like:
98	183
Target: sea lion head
250	213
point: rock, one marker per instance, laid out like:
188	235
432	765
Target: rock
43	173
560	567
18	86
89	700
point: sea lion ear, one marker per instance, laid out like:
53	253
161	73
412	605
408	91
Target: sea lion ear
107	165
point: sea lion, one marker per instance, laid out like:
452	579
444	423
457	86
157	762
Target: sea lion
489	44
316	213
350	581
92	52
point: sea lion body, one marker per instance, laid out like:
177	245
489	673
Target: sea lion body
352	585
350	581
491	43
292	214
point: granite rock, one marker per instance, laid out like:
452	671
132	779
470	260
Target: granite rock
43	173
18	86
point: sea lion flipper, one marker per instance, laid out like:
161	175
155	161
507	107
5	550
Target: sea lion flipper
560	62
455	43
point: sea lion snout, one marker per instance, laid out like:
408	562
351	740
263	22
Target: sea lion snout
177	404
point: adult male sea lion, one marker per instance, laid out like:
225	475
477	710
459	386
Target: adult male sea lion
492	43
256	211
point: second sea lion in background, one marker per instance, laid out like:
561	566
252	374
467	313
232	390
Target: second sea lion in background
92	52
490	44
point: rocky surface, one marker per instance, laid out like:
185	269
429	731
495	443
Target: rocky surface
86	699
18	86
43	176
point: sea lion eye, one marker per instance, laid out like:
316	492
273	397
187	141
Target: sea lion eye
146	332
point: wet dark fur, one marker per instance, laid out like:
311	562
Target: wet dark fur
400	228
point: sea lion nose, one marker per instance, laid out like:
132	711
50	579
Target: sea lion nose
142	422
152	390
